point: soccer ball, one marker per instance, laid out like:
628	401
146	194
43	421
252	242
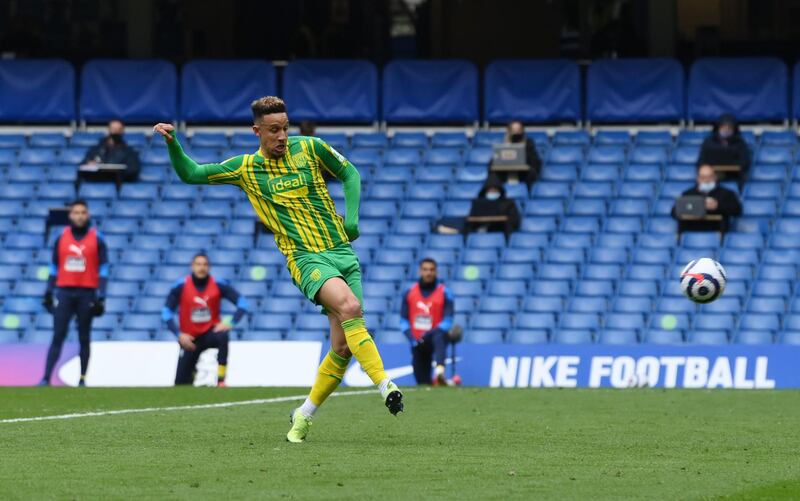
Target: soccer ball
703	280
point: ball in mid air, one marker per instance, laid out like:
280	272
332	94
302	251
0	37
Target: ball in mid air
703	280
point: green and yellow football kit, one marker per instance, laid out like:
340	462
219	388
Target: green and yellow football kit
291	198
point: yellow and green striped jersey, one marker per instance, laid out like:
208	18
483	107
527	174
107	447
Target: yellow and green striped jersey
289	194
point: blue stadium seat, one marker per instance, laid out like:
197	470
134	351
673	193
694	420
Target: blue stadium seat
580	224
492	304
244	140
642	172
662	225
766	305
565	155
664	337
579	137
772	288
629	207
56	192
484	336
468	174
543	304
8	157
754	337
143	322
417	140
443	156
13	141
771	272
549	288
545	207
759	322
479	256
403	156
38	156
24	241
559	172
514	272
628	321
550	189
678	177
623	224
779	138
602	288
608	255
767	172
16	192
652	256
491	321
487	138
27	174
593	189
774	155
686	155
572	241
715	321
528	336
780	256
602	272
600	172
456	208
573	336
479	156
508	288
413	227
486	241
539	224
545	321
566	272
708	337
427	191
572	320
387	191
391	174
609	154
528	241
464	191
47	140
618	337
770	190
561	255
648	155
442	173
616	137
588	304
615	240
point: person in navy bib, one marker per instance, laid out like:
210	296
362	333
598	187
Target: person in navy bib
78	278
197	299
426	317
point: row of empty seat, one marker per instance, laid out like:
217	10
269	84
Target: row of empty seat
407	91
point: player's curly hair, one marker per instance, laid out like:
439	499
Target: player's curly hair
267	105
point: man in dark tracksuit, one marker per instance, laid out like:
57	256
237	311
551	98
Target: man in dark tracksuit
197	299
79	271
426	316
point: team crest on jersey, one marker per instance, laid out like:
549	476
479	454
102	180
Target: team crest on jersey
316	275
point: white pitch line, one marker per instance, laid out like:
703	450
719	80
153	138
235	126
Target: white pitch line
219	405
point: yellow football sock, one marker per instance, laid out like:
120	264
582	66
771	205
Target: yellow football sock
363	348
329	375
221	370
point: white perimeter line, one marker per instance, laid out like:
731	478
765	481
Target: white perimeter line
219	405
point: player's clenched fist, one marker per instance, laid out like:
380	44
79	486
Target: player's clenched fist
164	130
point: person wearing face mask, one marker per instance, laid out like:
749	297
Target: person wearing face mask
78	278
515	133
492	202
725	146
719	200
113	149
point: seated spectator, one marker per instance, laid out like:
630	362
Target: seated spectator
726	147
492	211
719	201
113	149
307	128
515	133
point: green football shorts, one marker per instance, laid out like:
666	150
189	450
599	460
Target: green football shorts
310	270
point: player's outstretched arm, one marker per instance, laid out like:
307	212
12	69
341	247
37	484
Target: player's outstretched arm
190	171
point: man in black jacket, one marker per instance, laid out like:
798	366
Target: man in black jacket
515	133
725	146
492	202
113	149
719	200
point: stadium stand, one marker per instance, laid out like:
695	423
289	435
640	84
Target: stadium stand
596	258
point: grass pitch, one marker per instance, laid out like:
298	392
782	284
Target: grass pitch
451	443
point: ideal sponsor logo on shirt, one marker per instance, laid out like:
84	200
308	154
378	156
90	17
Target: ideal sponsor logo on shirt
286	183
